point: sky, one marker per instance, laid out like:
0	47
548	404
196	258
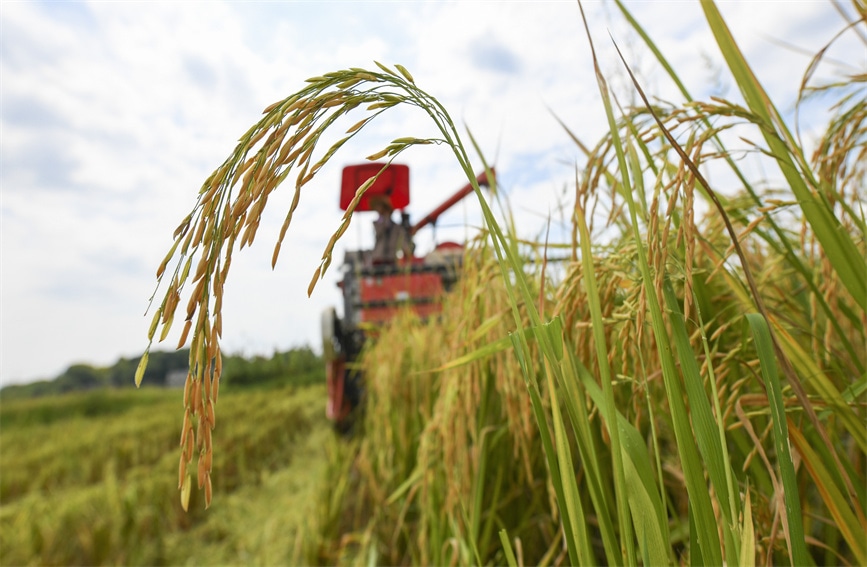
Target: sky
112	115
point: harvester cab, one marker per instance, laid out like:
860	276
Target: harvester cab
379	282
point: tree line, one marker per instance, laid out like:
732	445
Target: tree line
299	366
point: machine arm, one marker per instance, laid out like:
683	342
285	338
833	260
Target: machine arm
482	179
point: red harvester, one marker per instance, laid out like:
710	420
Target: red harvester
378	283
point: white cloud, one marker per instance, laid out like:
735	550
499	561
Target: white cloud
113	114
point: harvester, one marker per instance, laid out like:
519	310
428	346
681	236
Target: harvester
379	282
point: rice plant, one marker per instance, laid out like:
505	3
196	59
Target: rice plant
691	391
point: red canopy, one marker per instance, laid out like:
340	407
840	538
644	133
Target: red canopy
393	183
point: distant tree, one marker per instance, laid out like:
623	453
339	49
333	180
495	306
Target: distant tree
31	390
81	377
122	373
297	366
160	363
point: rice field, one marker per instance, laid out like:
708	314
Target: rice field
688	388
99	487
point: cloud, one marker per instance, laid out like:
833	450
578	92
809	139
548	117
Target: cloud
489	54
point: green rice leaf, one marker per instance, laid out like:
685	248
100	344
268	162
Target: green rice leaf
705	536
571	503
795	536
747	557
707	434
609	407
595	472
647	513
647	510
547	444
507	549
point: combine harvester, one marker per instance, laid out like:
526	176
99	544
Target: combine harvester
378	283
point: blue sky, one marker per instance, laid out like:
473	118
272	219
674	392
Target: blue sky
112	114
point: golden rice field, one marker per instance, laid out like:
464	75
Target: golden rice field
687	388
91	479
